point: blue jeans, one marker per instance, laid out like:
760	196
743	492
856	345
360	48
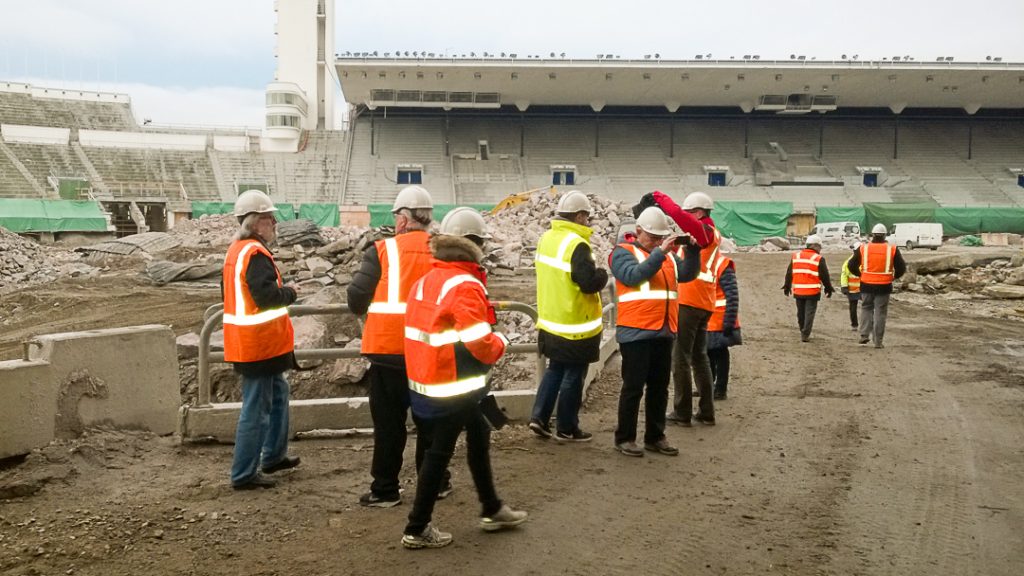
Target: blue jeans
262	426
562	382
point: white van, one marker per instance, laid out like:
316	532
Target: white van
837	231
912	235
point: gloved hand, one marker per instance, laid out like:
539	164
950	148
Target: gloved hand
646	201
845	290
828	293
786	291
727	332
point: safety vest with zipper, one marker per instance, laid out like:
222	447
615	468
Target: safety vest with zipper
404	259
449	343
700	293
562	308
717	321
251	334
652	303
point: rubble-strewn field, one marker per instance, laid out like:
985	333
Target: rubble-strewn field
828	458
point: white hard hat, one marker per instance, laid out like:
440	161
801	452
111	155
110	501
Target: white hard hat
879	229
652	220
253	201
412	197
464	221
698	200
574	201
813	239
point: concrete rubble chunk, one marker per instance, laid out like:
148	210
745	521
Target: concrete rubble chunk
1004	292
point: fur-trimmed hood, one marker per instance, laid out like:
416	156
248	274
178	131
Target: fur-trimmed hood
448	248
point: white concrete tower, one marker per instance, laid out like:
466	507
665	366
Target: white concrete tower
301	97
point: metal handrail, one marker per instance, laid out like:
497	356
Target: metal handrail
214	315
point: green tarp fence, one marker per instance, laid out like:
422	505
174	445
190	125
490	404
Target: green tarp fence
748	222
889	214
321	214
841	214
960	221
380	214
284	211
28	215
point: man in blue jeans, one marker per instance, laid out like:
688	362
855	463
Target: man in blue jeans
569	319
259	342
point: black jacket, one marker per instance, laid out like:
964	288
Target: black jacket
591	280
823	277
261	276
731	289
899	267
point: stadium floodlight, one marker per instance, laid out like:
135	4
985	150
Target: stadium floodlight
699	56
757	56
472	54
708	56
502	54
562	55
513	55
647	56
792	56
997	59
746	56
844	56
940	58
600	56
949	58
657	56
387	54
855	56
431	54
552	55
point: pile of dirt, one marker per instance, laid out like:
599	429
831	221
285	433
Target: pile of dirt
988	276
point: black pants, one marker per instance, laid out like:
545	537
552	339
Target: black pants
644	363
444	432
690	364
806	308
389	408
854	302
719	358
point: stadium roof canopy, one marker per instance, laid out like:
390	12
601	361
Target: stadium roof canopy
787	87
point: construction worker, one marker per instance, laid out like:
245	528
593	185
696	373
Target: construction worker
379	288
806	275
850	286
259	342
569	319
647	273
724	325
451	346
690	364
877	264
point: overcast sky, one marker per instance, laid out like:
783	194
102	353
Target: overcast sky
207	61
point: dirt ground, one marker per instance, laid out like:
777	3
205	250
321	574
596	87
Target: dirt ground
828	458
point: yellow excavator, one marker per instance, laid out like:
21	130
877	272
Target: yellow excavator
520	197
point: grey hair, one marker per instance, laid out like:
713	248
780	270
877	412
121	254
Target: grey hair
247	227
421	217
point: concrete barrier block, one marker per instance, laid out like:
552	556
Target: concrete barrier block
125	377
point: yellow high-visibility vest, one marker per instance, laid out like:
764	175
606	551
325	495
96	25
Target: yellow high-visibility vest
562	309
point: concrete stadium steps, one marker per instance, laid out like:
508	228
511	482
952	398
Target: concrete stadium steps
808	197
502	135
853	143
45	160
796	136
12	182
25	109
700	143
144	172
636	148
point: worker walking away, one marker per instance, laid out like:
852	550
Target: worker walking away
849	285
569	317
878	264
647	273
451	346
379	288
259	342
724	326
806	276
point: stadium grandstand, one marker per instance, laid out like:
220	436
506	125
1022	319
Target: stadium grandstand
832	138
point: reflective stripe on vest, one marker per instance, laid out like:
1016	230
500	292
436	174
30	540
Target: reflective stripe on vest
805	273
700	293
643	291
562	308
876	268
652	304
404	259
251	334
240	317
474	332
449	389
717	320
393	305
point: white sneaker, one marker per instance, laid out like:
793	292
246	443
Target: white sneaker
430	538
504	518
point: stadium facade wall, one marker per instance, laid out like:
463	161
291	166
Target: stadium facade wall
17	134
142	140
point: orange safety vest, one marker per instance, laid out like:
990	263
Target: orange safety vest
449	346
717	321
853	284
404	259
648	305
251	334
805	273
876	263
700	293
